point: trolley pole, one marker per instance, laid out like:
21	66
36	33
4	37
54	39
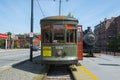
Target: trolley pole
59	7
31	33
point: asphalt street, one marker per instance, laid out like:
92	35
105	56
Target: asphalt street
105	67
23	71
9	57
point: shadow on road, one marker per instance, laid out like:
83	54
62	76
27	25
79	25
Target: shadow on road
33	67
110	64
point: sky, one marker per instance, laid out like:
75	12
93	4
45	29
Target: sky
15	14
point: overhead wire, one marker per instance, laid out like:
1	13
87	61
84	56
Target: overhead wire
40	8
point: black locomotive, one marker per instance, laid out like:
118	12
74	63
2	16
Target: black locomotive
88	41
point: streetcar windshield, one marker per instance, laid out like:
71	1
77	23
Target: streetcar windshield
59	34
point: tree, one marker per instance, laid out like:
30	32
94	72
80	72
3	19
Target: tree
2	43
118	42
114	43
9	33
70	15
27	45
9	39
110	45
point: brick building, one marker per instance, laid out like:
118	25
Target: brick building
105	30
37	41
23	40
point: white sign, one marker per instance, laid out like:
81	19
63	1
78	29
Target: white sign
30	34
79	29
12	36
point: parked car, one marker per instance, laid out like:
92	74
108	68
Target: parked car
35	48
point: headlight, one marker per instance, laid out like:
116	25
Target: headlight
90	39
59	53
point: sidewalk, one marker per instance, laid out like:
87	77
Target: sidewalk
25	70
5	50
14	56
111	53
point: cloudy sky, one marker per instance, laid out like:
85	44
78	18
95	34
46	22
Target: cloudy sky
15	14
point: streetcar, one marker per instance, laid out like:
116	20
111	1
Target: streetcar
61	40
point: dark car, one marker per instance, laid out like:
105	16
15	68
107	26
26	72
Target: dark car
35	48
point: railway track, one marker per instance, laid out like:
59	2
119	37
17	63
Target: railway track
59	73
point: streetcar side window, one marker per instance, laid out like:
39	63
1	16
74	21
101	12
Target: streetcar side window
79	34
71	36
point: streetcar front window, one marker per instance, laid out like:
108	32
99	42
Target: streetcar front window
59	34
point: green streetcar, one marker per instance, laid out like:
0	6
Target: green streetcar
61	41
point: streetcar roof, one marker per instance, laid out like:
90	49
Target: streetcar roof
59	18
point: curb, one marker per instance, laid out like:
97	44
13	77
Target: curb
6	50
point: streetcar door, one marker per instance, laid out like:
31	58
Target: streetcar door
80	43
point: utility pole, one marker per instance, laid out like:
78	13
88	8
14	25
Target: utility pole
31	33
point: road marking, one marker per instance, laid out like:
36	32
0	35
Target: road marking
81	73
89	73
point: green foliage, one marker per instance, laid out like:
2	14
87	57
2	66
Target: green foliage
114	43
119	47
9	33
118	42
111	44
27	45
2	43
15	45
9	38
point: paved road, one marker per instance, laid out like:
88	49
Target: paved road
9	57
105	67
24	71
